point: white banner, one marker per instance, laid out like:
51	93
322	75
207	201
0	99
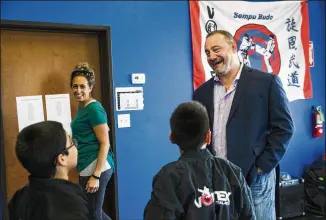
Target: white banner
270	36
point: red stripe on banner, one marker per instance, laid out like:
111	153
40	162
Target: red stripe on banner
198	69
307	87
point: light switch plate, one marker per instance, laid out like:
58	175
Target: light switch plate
124	121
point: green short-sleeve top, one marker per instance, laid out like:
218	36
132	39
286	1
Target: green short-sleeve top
82	125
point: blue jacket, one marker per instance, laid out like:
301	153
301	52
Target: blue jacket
259	127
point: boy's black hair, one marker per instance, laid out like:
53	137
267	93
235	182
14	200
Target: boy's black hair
189	125
38	145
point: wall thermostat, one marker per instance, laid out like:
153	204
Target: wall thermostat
138	78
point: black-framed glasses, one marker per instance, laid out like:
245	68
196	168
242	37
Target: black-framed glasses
65	151
74	143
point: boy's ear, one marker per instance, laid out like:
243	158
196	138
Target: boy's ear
61	160
171	138
208	137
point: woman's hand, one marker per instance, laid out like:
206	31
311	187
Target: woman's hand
92	185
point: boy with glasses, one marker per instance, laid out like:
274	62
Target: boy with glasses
48	153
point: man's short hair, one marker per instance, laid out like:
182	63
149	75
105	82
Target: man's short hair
189	125
38	145
228	36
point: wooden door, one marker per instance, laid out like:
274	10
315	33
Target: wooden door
39	63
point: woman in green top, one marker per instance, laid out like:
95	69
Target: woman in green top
89	127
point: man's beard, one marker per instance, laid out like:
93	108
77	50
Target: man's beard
227	66
222	71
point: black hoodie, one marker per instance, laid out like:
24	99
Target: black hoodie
200	186
49	199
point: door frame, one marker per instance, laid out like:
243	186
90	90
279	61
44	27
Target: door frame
104	38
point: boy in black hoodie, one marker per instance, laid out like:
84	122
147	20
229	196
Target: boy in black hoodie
48	153
198	186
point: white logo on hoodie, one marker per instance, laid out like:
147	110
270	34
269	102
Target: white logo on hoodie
207	198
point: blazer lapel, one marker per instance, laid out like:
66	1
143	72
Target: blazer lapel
243	84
